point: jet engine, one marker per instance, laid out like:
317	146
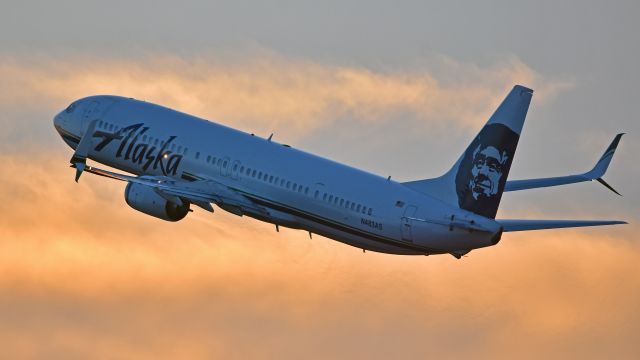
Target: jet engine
145	199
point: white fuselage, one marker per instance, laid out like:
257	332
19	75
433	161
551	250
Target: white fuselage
298	189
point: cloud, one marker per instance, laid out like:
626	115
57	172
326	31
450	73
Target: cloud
84	275
271	93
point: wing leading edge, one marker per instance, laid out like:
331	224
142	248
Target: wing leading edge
594	174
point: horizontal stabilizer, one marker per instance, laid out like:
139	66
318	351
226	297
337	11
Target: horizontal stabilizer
594	174
525	225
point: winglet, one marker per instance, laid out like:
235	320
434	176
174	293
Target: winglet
601	166
601	181
79	158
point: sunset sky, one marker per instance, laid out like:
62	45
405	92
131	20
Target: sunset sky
395	88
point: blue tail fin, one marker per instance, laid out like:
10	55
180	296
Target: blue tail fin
476	181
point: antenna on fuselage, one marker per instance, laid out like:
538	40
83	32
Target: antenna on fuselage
270	136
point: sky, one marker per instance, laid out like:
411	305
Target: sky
396	88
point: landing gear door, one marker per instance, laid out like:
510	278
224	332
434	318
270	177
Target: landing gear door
407	222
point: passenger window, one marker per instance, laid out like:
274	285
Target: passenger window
358	208
315	195
271	179
288	184
224	164
208	158
235	167
156	141
197	155
347	204
185	151
369	212
324	197
282	182
219	162
353	206
341	202
260	175
241	169
330	198
306	190
300	189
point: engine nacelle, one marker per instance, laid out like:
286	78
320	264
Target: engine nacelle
144	199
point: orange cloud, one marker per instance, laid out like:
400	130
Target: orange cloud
81	274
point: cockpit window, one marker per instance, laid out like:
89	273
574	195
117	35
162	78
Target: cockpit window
70	108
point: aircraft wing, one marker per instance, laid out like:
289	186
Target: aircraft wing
525	225
594	174
200	193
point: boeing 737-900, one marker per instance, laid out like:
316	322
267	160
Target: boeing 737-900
175	161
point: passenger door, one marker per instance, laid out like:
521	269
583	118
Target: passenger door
235	170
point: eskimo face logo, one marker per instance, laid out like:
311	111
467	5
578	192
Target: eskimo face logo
143	154
487	171
484	168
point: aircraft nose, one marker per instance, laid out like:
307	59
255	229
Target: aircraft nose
62	121
57	120
65	125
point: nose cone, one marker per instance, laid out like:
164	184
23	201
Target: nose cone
57	121
64	125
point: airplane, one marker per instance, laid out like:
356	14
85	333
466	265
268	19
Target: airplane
173	161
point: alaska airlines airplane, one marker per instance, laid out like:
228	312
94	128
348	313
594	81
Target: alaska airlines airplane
176	161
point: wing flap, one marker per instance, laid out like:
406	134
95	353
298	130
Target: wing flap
527	225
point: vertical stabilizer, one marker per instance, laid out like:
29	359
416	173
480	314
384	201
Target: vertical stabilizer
476	181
